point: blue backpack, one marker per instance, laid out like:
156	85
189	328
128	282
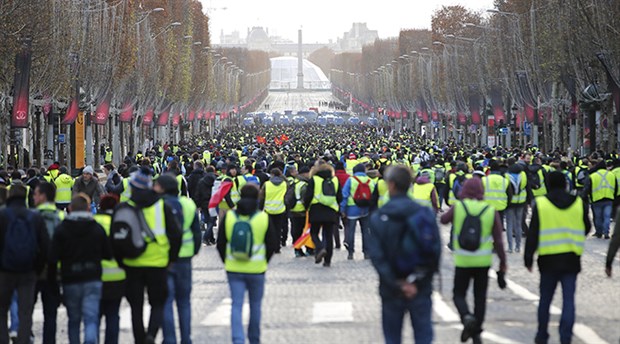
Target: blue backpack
252	179
20	246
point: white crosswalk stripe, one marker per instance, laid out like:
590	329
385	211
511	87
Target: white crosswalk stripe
332	312
221	315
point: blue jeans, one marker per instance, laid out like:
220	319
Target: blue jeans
14	316
602	216
513	226
179	290
255	285
210	222
420	309
349	237
548	283
82	302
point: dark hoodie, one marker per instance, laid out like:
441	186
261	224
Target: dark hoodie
193	180
565	262
473	189
204	190
79	244
276	180
319	213
247	206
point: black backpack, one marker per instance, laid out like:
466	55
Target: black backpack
129	232
329	189
20	246
534	177
471	231
290	199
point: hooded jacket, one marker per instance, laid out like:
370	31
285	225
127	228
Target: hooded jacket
473	189
79	244
204	190
276	180
319	213
193	180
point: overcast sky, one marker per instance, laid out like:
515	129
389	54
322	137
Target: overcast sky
322	20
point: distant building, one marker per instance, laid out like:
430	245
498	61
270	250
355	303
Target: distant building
232	38
258	39
357	37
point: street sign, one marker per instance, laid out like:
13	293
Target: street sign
527	128
61	138
435	124
503	131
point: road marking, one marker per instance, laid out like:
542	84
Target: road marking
331	312
221	315
583	332
125	315
442	309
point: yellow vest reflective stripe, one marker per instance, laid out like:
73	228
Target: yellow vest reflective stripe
350	163
422	193
355	184
180	183
258	262
111	271
521	196
238	183
483	256
603	185
126	194
320	198
561	230
108	156
156	253
64	184
189	213
299	205
384	195
495	191
543	188
274	198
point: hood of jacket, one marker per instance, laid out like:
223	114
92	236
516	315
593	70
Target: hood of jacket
209	178
276	180
422	180
144	198
247	206
373	174
77	221
600	166
472	189
324	171
198	173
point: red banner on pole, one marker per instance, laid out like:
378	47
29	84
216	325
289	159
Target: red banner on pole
148	117
176	119
103	110
127	113
72	112
163	118
21	85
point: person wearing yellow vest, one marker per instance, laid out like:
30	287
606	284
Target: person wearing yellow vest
64	186
455	183
298	211
602	189
113	276
497	190
180	272
425	193
474	265
79	245
249	274
52	172
321	200
516	206
558	231
108	156
150	269
355	212
271	201
351	162
43	196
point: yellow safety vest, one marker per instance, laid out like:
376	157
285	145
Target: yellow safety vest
206	157
603	185
495	191
543	188
483	256
384	195
274	198
616	173
422	193
452	198
64	184
521	196
561	230
111	272
223	204
235	191
126	194
350	163
355	184
320	198
257	264
299	204
108	157
189	213
157	251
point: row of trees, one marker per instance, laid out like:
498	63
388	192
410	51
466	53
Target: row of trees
144	64
523	61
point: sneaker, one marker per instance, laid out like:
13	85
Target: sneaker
299	254
517	250
13	335
345	245
476	339
469	324
309	252
607	236
277	252
337	247
319	256
350	256
597	235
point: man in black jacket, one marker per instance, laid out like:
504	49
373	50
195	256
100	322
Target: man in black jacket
80	244
203	196
24	243
194	179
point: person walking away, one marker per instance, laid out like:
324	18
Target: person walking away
113	178
342	176
516	207
322	201
477	233
112	276
440	180
271	200
602	189
558	230
24	244
359	194
147	270
405	264
294	198
180	272
245	244
194	179
497	189
79	245
203	196
425	193
43	196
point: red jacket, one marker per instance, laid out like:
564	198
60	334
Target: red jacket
342	176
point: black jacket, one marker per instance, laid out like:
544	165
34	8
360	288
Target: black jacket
204	190
18	205
192	182
319	213
565	262
79	244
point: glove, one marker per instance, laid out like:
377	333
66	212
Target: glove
501	280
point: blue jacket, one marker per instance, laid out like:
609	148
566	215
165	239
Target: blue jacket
353	211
